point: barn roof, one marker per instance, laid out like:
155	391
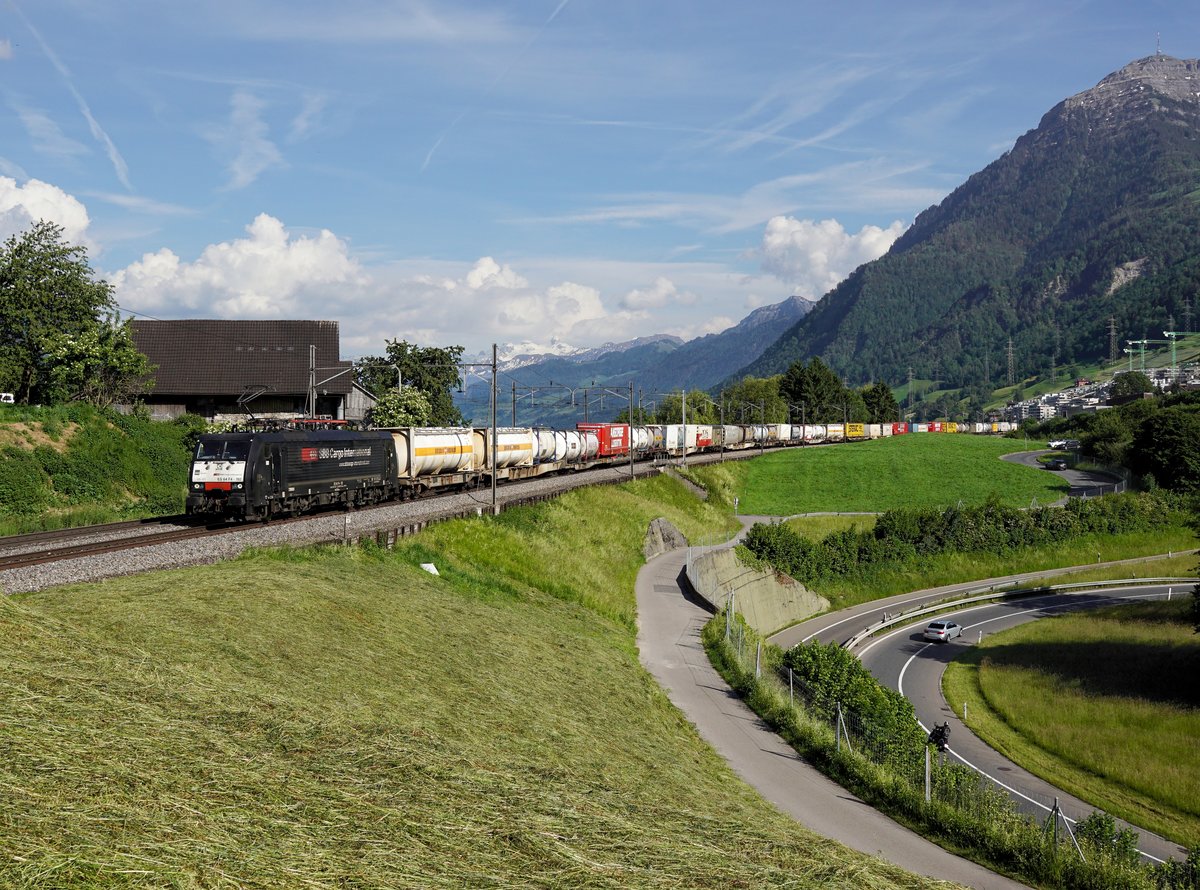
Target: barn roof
219	357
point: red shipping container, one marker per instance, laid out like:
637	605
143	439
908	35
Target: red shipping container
899	429
935	427
613	437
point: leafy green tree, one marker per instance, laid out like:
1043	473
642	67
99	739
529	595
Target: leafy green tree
817	388
880	403
1167	446
406	407
47	292
758	397
700	408
1130	385
98	365
431	369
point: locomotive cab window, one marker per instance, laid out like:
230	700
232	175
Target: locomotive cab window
222	450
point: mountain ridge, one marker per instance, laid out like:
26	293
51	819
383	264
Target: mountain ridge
1103	191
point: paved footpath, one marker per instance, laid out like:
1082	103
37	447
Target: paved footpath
669	644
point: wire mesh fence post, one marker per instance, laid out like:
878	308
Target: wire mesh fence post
758	662
928	776
837	727
791	690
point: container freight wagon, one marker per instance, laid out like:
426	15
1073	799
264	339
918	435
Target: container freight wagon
678	439
430	457
612	438
855	431
515	451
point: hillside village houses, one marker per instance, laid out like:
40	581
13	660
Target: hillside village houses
1092	397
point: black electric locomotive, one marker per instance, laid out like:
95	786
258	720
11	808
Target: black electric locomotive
259	475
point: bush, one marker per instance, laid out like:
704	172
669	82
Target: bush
901	536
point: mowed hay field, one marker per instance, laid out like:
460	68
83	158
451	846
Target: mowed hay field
339	717
1103	704
915	470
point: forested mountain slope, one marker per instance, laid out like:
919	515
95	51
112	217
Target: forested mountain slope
1095	213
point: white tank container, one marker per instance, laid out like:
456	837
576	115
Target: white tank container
547	442
590	443
424	451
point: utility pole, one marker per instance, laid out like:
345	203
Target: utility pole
1187	313
1012	364
1112	338
495	437
683	419
910	388
312	380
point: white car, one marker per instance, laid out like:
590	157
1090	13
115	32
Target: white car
943	631
1057	444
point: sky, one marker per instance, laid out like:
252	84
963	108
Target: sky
545	173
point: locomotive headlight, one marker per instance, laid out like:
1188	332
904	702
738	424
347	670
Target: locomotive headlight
237	485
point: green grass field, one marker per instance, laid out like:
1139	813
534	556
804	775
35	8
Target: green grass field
1103	704
918	470
338	717
816	528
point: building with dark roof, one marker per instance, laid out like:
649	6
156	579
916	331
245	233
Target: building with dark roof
224	370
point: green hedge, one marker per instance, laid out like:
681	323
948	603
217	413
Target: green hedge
905	535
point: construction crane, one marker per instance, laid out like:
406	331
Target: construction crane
1141	344
1173	336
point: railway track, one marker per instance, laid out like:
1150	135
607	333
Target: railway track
66	545
20	551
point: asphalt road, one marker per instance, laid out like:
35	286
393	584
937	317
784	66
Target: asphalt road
903	660
669	645
1083	483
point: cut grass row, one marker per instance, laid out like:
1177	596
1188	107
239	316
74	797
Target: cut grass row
1102	704
919	470
338	717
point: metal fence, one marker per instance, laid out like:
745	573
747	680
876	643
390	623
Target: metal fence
938	776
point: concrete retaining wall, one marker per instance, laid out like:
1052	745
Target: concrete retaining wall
769	602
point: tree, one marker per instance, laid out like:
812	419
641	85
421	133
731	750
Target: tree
700	408
1167	446
406	407
47	292
1128	386
816	388
432	370
758	397
98	365
880	403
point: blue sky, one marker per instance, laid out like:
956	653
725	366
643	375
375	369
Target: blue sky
537	172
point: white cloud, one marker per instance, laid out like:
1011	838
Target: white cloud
48	138
487	273
659	294
270	274
245	141
812	257
305	122
21	206
712	325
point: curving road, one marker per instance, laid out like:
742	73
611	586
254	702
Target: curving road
669	624
1083	483
903	660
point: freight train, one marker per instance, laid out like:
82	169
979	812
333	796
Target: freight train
260	475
